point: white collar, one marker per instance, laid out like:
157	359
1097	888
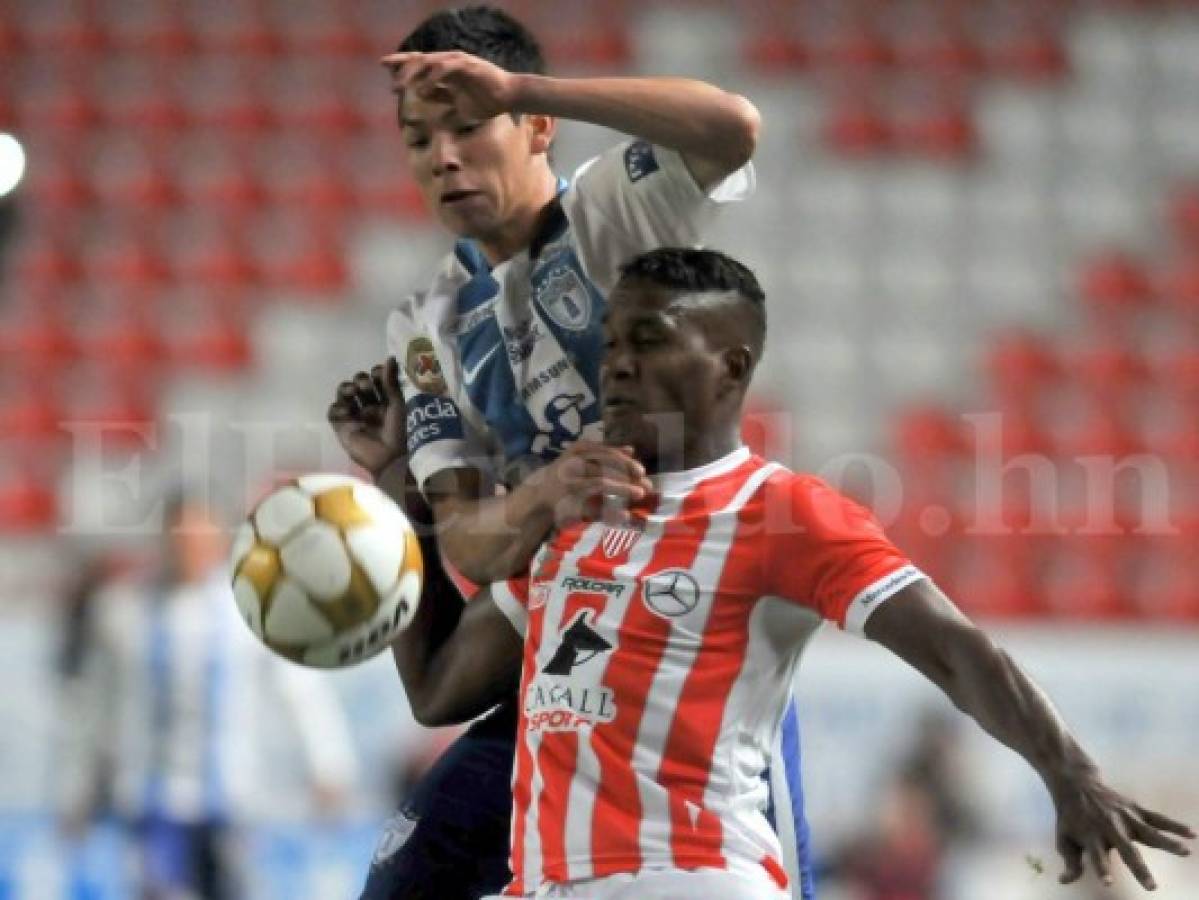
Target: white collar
685	479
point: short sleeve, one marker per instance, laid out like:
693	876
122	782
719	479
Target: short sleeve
439	437
638	197
512	598
829	553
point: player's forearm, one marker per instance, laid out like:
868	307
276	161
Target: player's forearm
692	117
416	650
494	538
986	683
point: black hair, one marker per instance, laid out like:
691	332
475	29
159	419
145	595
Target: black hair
483	31
689	270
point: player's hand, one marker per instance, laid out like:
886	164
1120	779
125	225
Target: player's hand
367	416
1093	820
587	476
474	87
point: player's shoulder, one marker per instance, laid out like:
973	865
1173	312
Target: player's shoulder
815	504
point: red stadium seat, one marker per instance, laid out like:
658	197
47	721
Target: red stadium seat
129	260
216	258
28	504
1019	364
1103	364
859	48
1165	584
130	345
216	346
856	127
1083	586
121	402
1082	424
943	52
1030	54
39	342
928	434
45	261
772	50
941	130
1113	283
992	577
1179	285
64	106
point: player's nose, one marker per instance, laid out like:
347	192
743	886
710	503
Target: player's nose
444	154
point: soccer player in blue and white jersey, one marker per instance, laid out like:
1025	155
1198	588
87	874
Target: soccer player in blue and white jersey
498	359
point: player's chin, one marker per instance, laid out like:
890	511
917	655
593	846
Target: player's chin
624	430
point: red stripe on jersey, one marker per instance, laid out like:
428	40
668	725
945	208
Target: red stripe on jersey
617	816
775	870
691	745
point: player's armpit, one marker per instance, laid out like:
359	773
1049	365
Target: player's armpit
455	671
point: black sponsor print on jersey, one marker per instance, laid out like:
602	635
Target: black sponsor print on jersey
639	160
580	643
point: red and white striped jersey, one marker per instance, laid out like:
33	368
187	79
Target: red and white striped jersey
658	662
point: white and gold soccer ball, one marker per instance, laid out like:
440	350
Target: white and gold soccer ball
327	570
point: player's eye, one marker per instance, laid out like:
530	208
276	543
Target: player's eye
467	129
418	143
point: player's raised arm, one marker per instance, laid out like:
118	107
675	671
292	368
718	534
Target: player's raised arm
715	131
925	629
494	538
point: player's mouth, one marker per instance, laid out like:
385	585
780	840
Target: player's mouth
449	198
619	404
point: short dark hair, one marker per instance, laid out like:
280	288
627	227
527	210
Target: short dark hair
483	31
690	270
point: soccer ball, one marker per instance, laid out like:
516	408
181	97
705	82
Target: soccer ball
327	570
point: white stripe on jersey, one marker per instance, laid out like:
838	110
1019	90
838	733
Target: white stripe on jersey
583	794
550	624
676	664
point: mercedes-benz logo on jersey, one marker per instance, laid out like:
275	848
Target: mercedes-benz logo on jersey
564	413
580	643
564	297
671	593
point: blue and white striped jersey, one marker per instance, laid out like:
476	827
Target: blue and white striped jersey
500	366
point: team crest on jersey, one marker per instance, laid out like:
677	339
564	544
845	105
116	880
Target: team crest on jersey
671	593
395	834
423	366
564	297
539	594
617	541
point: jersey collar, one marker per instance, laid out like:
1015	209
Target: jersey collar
552	224
684	480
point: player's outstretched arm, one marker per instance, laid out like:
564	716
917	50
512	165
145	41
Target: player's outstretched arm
493	538
456	661
715	131
925	629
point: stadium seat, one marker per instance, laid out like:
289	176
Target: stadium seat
1103	364
775	50
1114	282
856	127
1080	585
1165	583
992	577
941	129
924	434
132	260
1029	54
1179	284
38	342
1019	364
45	261
28	503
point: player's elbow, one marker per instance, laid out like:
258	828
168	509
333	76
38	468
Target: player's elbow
432	712
742	137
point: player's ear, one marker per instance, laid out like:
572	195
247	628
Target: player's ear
541	131
738	363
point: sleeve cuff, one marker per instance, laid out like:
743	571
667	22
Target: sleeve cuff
873	596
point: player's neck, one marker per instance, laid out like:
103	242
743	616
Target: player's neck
699	451
524	223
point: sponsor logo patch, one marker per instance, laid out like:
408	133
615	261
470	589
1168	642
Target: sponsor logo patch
593	585
556	701
431	419
671	593
396	832
423	366
520	340
639	160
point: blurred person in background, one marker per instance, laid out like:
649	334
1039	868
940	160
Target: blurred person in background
498	361
164	698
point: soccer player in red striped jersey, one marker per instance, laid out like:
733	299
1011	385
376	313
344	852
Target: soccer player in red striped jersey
658	645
